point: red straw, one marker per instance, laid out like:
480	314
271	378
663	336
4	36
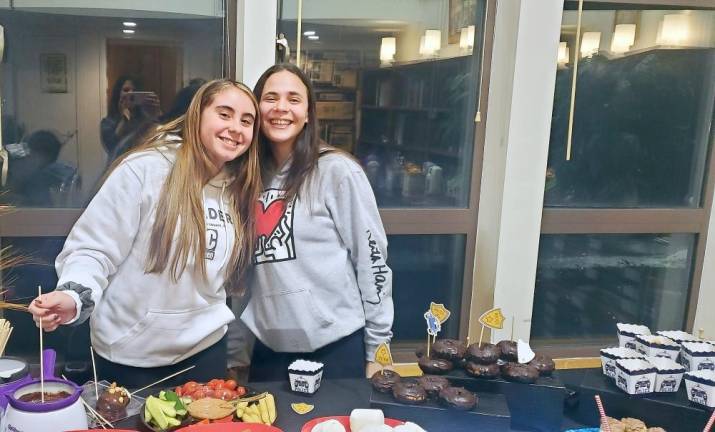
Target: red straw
710	423
604	420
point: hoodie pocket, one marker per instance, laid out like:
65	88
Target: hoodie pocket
294	308
162	337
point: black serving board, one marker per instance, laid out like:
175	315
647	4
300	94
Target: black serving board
671	411
491	413
534	407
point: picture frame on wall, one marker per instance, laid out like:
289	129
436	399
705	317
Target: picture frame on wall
461	14
53	73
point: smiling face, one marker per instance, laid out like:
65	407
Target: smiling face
227	126
284	108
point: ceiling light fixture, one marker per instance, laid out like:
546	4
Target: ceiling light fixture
129	24
128	31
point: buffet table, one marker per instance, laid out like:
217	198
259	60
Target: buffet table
335	397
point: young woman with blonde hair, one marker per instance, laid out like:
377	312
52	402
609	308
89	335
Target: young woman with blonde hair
167	235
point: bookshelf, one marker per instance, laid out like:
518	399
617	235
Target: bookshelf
413	117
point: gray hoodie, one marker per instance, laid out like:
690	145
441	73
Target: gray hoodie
140	319
320	263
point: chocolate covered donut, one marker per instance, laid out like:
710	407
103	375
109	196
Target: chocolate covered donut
435	366
486	354
458	397
112	403
508	351
487	371
433	384
449	349
409	391
543	364
383	381
518	372
421	351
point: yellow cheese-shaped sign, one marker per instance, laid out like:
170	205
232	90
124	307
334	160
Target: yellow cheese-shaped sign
383	355
302	408
492	318
439	311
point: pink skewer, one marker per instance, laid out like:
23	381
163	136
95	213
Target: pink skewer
710	423
602	412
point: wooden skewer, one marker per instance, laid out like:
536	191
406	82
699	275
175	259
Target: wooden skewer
42	361
94	371
162	380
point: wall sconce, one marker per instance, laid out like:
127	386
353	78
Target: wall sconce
466	37
624	36
673	30
388	48
590	43
433	42
563	58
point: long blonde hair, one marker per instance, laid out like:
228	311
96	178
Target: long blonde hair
181	200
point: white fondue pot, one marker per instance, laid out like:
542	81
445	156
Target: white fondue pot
52	416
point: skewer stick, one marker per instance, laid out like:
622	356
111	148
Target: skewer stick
710	423
94	371
481	335
42	361
162	380
602	413
512	328
428	340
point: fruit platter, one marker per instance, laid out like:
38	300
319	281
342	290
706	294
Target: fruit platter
217	401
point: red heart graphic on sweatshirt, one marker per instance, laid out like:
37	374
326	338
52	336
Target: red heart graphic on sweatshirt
267	219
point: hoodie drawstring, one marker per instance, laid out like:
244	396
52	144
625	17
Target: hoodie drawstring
225	228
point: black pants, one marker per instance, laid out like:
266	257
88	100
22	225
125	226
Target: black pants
344	358
210	363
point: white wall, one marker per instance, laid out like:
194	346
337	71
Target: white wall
256	38
515	155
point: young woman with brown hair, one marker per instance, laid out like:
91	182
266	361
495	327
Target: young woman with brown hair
167	235
320	288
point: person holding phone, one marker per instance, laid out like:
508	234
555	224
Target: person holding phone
130	116
166	237
320	286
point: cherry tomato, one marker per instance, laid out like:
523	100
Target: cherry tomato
240	391
225	394
190	387
230	384
198	394
178	390
214	383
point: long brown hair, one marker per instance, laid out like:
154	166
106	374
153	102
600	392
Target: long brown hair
307	147
181	200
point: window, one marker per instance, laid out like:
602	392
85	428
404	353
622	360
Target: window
61	126
628	196
399	87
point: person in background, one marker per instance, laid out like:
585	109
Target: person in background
182	100
156	287
128	118
320	286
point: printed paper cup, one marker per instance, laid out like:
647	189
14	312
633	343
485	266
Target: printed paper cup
669	374
305	376
657	346
627	334
697	356
700	387
610	355
635	376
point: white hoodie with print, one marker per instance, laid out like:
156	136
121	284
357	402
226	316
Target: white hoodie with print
142	319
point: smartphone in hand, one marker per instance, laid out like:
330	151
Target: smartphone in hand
137	98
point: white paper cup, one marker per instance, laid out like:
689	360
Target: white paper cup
657	346
627	334
635	376
669	374
700	387
697	356
305	376
610	355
